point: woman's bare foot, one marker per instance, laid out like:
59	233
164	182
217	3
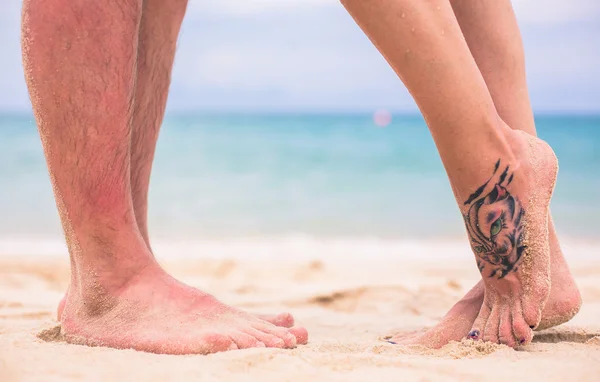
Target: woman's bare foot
565	300
285	320
562	305
507	222
153	312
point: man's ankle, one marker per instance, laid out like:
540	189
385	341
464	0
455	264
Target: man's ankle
105	264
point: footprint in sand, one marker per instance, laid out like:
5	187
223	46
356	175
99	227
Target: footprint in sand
428	301
568	335
593	341
10	304
28	315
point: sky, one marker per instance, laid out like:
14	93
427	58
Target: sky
309	56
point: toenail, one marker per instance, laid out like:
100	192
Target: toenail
531	327
522	341
474	334
391	342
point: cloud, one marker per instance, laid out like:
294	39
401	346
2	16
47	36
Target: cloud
556	11
13	93
310	55
252	7
312	58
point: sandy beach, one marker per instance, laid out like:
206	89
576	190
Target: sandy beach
348	296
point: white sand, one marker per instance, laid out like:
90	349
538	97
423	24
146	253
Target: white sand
348	296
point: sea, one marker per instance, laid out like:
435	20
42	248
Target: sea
337	176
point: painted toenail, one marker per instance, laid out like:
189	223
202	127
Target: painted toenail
522	341
474	335
531	327
392	342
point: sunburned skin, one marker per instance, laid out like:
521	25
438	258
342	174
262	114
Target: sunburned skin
98	75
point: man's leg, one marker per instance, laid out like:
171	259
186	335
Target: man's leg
502	179
80	65
159	30
158	33
491	31
157	38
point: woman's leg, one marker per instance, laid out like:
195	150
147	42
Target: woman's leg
491	31
502	180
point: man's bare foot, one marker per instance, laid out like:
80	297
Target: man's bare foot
285	320
153	312
507	222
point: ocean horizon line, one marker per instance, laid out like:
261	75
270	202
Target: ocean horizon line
319	113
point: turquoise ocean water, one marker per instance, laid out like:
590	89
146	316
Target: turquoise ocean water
318	175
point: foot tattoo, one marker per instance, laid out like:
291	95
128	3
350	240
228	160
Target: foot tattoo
495	225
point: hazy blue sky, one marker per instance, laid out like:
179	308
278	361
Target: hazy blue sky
308	55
